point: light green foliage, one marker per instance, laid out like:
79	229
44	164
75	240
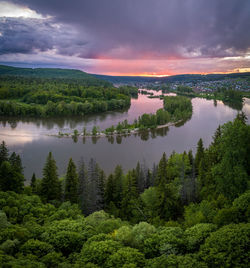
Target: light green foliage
53	259
179	107
178	166
98	252
126	256
150	203
168	240
53	94
173	261
140	232
36	247
196	235
124	235
185	234
3	220
242	204
199	213
227	247
232	172
10	246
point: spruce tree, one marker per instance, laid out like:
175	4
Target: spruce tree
199	155
118	178
10	179
71	183
130	195
100	190
33	183
16	163
3	152
109	193
82	186
162	171
50	186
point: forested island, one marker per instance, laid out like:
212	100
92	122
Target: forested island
187	211
57	92
230	97
175	109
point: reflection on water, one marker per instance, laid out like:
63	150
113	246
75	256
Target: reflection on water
28	136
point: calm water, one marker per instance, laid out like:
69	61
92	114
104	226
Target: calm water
29	137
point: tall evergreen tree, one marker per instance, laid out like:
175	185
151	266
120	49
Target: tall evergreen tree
4	152
16	162
71	183
92	186
33	183
50	186
162	171
140	178
129	196
118	180
82	186
10	179
199	155
100	190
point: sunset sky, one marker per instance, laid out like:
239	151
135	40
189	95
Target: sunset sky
127	37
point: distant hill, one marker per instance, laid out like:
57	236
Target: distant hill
50	73
95	78
174	78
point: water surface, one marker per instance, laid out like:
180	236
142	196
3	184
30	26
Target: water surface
29	138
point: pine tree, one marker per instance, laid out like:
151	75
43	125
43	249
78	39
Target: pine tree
10	179
50	186
100	190
130	196
33	183
92	189
16	162
199	155
4	152
109	193
82	186
162	171
118	178
71	183
140	178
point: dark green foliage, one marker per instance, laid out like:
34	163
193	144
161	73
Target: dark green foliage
33	183
227	247
178	107
155	218
126	256
71	183
98	252
199	155
50	186
3	152
175	109
57	92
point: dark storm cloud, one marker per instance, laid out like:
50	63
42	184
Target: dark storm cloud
148	28
26	35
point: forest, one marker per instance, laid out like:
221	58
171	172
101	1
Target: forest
189	210
48	92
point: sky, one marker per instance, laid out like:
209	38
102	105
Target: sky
127	37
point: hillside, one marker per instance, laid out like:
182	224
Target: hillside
57	92
171	79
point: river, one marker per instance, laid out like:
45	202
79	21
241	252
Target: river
30	137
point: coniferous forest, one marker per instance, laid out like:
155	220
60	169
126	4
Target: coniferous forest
188	210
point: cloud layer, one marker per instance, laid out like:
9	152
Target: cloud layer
135	30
